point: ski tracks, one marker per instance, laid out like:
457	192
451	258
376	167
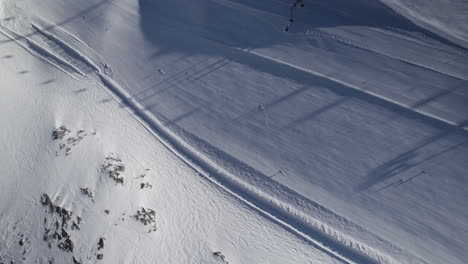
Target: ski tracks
55	51
70	60
359	45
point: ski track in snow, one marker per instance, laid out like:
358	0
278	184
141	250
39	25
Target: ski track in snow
50	47
63	56
363	46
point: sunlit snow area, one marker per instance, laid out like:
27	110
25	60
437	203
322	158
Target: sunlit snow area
202	131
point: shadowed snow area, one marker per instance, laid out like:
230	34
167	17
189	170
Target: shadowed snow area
347	135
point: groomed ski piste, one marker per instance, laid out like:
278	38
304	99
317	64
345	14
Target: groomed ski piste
145	131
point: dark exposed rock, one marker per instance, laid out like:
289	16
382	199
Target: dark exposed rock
113	167
60	133
145	185
67	245
60	225
66	145
75	226
147	217
101	243
76	261
86	191
45	199
119	180
221	256
64	233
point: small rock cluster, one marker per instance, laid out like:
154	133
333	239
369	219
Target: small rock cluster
60	222
101	243
86	191
60	133
57	230
145	185
147	217
113	167
67	143
221	256
100	256
24	243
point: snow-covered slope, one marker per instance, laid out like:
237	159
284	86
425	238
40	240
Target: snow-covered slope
349	131
448	18
194	217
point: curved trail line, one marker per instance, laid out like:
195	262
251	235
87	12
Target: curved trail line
344	249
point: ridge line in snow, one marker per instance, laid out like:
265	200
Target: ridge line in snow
277	211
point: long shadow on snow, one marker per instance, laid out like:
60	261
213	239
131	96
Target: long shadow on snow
213	28
191	27
411	158
393	167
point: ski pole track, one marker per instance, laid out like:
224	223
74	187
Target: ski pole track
84	66
403	35
359	45
324	237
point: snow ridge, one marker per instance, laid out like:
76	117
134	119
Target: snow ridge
85	64
333	242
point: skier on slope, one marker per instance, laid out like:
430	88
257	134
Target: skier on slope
296	4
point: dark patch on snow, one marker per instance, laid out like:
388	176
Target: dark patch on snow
113	167
221	256
147	217
57	230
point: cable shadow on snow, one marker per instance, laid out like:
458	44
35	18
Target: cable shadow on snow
413	157
260	180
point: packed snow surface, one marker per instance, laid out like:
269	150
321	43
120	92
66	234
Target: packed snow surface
182	131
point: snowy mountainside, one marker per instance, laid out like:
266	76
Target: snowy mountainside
64	178
447	17
349	131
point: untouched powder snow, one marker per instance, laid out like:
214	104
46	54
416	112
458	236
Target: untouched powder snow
343	140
